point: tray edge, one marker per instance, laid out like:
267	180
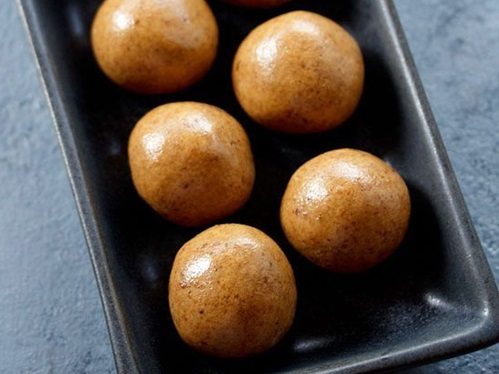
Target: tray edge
124	359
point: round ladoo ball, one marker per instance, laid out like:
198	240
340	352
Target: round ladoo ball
232	292
191	162
299	73
153	47
257	3
345	210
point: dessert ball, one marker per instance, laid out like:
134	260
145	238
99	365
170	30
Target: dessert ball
299	73
257	3
191	162
232	292
345	210
153	47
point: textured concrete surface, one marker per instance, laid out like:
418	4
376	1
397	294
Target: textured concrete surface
51	319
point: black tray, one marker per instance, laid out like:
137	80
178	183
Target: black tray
435	298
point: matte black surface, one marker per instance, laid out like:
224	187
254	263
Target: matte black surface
434	298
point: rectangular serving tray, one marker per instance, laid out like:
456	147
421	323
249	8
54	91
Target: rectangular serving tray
435	298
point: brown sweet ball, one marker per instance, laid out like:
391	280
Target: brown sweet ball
191	162
345	210
232	292
257	3
299	73
153	47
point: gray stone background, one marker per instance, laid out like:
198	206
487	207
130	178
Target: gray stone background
51	320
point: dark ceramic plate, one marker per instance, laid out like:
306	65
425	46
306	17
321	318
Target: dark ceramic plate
435	298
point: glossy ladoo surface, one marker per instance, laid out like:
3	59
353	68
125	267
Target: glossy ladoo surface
346	210
232	292
191	162
299	73
154	47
